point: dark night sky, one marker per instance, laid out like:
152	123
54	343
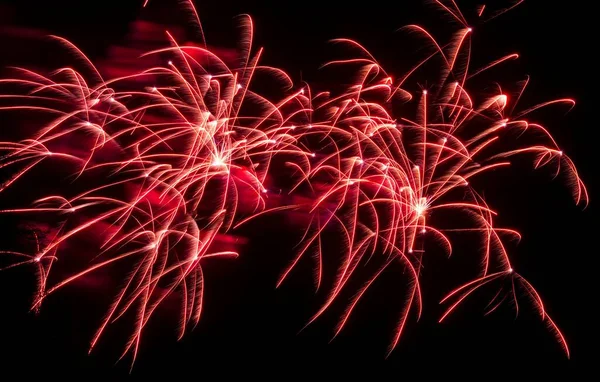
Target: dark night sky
247	325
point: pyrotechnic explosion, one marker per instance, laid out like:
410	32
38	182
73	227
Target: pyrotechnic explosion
158	172
163	171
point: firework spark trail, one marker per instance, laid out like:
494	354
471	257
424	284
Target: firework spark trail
174	163
381	176
164	170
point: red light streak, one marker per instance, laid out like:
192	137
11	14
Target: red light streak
187	157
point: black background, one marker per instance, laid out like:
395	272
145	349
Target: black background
250	328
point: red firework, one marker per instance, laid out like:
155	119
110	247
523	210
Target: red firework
166	161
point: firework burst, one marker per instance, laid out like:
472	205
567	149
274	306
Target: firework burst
164	162
158	174
380	177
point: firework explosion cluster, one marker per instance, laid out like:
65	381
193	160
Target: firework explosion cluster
163	163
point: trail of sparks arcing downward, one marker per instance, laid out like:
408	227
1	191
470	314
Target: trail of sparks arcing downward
164	170
380	176
160	172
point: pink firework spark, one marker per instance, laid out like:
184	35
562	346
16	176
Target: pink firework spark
166	161
380	176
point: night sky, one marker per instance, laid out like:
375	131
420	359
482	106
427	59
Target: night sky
250	328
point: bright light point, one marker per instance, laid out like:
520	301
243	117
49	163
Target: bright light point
146	175
239	86
112	99
71	209
466	183
313	155
38	259
293	127
49	153
152	246
88	124
264	190
360	161
209	77
424	92
301	91
503	125
444	140
421	206
218	162
170	62
154	89
371	134
350	182
560	153
416	168
510	270
423	230
469	29
384	166
410	250
310	126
